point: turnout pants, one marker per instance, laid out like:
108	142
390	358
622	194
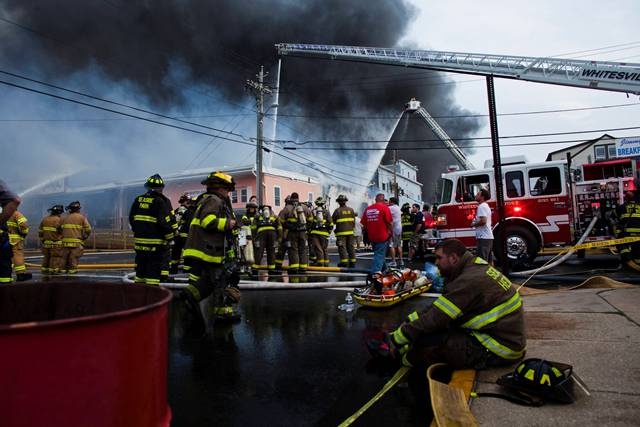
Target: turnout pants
320	245
18	257
51	259
299	250
205	279
266	241
5	261
70	258
148	265
176	253
346	250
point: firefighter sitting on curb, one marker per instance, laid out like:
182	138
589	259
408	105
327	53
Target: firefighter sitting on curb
75	230
345	220
18	229
268	232
50	234
321	228
477	322
210	250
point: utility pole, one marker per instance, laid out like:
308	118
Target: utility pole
395	174
259	89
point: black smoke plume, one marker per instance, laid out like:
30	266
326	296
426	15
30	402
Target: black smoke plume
220	44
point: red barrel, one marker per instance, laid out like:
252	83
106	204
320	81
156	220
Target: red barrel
83	354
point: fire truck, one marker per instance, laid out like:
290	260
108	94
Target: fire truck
543	207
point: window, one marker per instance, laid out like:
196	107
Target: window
447	187
611	151
468	187
310	197
545	181
600	152
514	181
276	196
244	193
234	196
384	186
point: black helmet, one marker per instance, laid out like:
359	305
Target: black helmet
220	179
56	209
342	198
74	206
320	201
406	207
294	197
184	198
541	378
154	181
251	205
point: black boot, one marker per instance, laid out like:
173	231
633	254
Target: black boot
193	307
352	264
21	277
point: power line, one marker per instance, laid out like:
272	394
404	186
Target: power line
521	113
533	135
422	148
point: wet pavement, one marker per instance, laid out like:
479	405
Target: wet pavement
294	359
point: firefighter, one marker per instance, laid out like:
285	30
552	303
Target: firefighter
181	236
294	218
248	223
185	223
407	226
153	227
268	232
211	250
50	234
345	220
9	202
282	244
75	230
18	228
321	228
629	226
478	321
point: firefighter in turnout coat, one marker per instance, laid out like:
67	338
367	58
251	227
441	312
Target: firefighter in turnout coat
345	220
153	228
75	230
50	234
477	322
18	229
211	251
294	218
268	232
321	228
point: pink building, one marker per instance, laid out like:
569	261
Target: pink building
277	184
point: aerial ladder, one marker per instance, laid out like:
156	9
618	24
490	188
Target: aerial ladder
603	75
414	106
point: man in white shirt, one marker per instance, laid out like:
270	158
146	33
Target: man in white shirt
482	224
395	249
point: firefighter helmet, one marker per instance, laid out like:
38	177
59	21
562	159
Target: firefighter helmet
251	205
320	201
342	198
542	378
406	207
184	198
294	197
56	209
154	181
220	179
74	206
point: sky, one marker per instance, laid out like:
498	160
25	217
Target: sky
542	28
192	63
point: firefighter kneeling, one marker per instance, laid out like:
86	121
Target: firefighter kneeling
210	251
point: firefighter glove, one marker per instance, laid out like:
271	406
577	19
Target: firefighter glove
233	293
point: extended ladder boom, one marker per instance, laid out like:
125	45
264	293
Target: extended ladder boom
440	133
612	76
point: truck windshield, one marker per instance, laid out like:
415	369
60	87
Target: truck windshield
447	188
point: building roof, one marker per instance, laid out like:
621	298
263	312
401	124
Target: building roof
584	145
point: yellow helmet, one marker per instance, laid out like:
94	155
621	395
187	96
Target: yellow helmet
220	179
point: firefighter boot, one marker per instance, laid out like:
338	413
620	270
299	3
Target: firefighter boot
193	308
225	314
21	277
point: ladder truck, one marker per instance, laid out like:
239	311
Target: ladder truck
415	106
588	74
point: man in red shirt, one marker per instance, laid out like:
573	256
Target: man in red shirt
376	223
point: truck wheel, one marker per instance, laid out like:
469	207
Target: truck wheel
521	244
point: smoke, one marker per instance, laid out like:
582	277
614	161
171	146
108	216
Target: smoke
171	55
